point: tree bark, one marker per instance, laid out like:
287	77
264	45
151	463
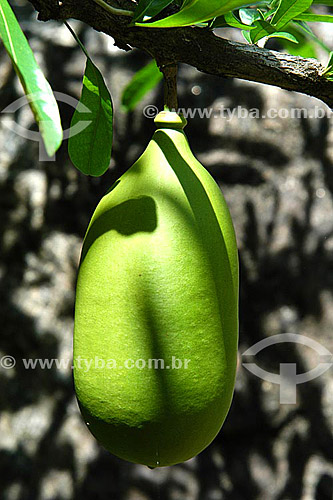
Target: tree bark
198	47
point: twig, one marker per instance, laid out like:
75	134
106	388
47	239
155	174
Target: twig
170	86
114	10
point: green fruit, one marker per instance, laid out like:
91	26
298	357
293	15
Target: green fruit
158	279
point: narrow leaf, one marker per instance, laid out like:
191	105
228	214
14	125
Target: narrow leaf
246	36
142	82
288	10
314	18
149	8
283	34
329	67
89	147
301	25
196	11
36	87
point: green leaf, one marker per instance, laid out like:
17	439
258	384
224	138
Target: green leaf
288	10
220	22
248	16
196	11
262	29
305	48
230	19
90	149
149	8
324	2
269	13
233	21
142	82
265	29
314	18
36	87
283	34
329	65
302	26
329	68
246	36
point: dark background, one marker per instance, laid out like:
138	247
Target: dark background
277	177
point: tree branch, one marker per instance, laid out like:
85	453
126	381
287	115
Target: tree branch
198	47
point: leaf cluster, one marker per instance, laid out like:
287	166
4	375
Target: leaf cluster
90	150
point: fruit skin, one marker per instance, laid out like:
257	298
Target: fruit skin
158	278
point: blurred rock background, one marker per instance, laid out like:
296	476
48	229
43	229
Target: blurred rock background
277	177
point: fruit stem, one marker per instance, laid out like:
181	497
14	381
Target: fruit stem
170	86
